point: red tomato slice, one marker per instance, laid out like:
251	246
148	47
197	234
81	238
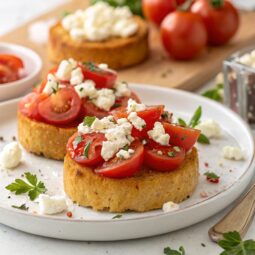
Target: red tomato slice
168	160
60	108
102	78
28	105
121	168
182	136
15	63
89	109
86	149
7	74
150	115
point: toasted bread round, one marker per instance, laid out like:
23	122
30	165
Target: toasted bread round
43	139
146	191
116	52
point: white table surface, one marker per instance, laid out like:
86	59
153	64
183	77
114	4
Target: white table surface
12	242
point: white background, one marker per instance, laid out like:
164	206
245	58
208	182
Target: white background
12	242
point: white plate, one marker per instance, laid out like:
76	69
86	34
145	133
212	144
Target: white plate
89	225
32	69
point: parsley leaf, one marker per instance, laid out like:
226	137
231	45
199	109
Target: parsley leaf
21	207
232	244
86	149
196	117
169	251
182	122
125	148
211	175
215	93
117	216
88	120
203	139
171	154
34	187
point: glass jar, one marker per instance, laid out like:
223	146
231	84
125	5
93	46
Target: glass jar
239	80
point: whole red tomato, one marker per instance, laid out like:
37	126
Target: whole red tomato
183	35
156	10
220	17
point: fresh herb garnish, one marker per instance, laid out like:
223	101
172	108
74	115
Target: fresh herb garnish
21	207
215	93
196	117
77	140
194	121
134	5
203	139
55	90
86	149
91	66
117	216
88	120
169	251
212	177
116	105
232	244
171	154
125	148
34	187
217	3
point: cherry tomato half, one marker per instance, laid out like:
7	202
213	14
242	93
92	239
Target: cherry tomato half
121	168
183	34
15	63
60	108
156	10
86	149
28	105
102	78
221	21
163	158
182	136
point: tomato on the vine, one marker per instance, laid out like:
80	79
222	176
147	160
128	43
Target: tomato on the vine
220	17
183	34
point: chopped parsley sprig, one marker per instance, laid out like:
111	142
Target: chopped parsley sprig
194	121
169	251
232	244
33	187
22	207
215	93
212	177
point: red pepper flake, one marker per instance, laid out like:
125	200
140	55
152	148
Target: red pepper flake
203	194
69	214
206	164
212	177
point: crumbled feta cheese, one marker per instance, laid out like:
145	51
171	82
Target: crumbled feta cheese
133	106
86	89
11	155
52	84
158	134
234	153
84	129
125	154
117	137
122	89
51	204
64	70
170	207
76	76
102	124
210	128
160	153
99	22
105	99
136	121
103	66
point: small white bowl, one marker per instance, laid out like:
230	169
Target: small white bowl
32	69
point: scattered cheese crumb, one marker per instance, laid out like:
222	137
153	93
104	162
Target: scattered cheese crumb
122	89
52	204
233	153
133	106
105	99
76	76
136	121
210	128
158	134
170	207
86	89
11	155
125	154
51	85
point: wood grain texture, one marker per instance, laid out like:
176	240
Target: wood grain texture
159	69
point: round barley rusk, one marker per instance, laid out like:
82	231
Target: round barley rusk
116	52
43	139
146	191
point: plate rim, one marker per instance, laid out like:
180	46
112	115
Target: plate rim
149	217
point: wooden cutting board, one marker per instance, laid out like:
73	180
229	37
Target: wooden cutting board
159	69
